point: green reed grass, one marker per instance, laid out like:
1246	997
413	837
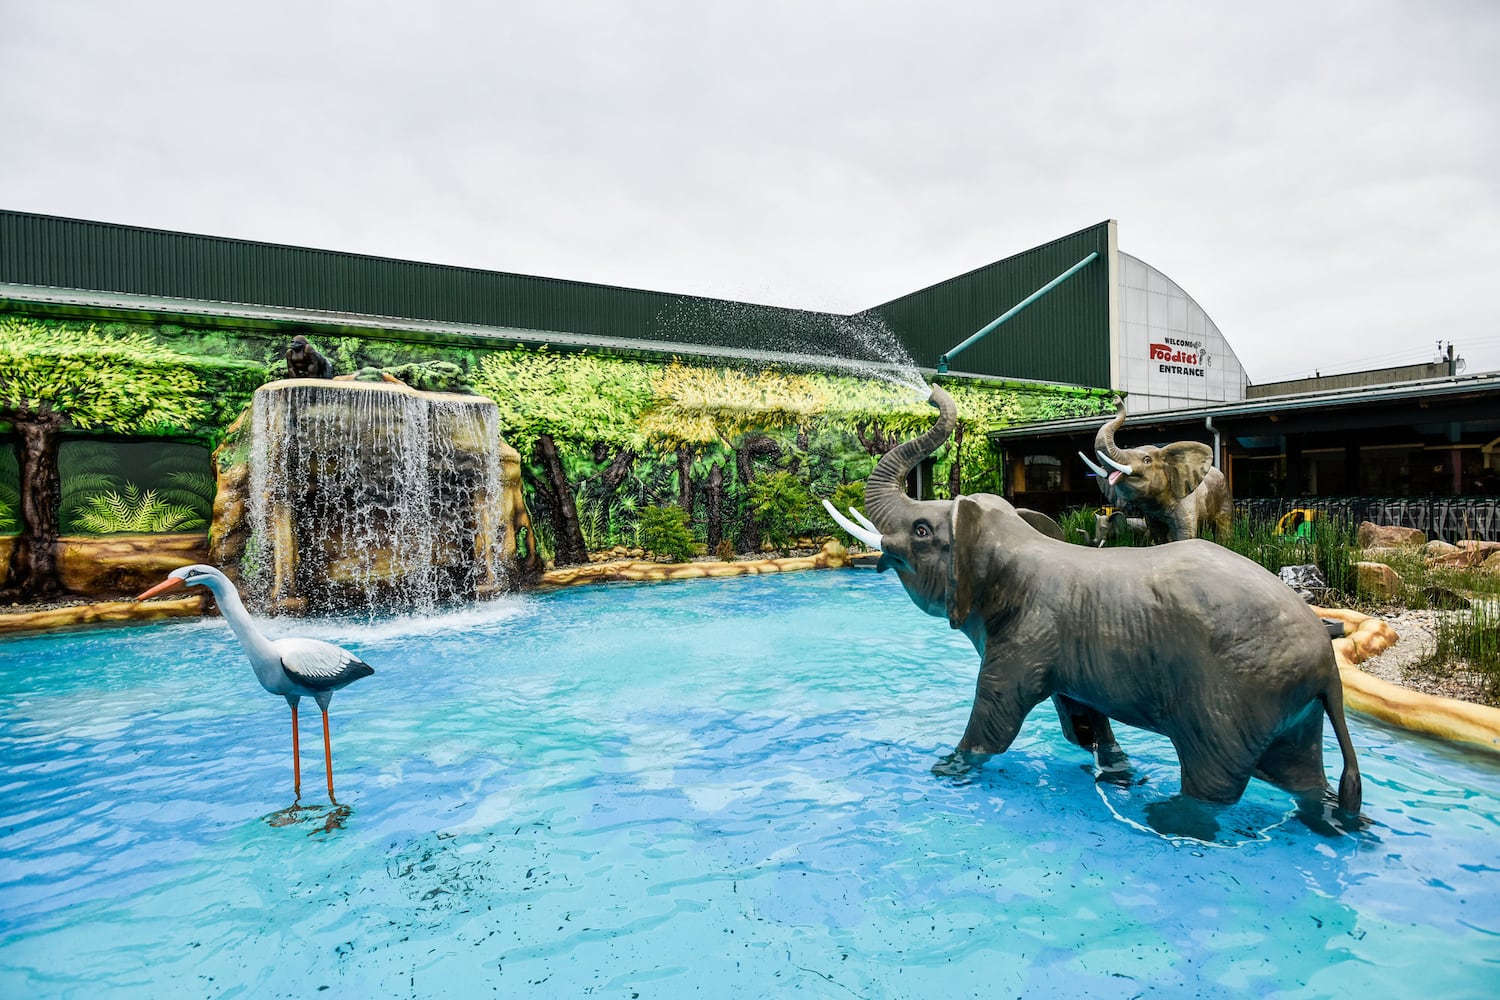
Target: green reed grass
1330	547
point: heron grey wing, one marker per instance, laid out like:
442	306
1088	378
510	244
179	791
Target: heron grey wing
320	665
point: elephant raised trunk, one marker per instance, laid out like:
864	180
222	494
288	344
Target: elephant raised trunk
886	501
1104	445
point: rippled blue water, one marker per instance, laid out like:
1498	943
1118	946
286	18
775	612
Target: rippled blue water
720	788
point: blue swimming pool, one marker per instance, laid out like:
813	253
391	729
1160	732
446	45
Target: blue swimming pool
717	788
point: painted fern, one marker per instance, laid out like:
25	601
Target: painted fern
132	510
10	510
193	490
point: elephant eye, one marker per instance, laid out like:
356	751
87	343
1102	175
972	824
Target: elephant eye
921	530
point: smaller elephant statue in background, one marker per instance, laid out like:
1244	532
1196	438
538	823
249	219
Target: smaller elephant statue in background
1113	525
1176	488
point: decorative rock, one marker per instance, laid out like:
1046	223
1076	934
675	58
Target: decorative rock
1377	580
1479	552
1459	558
1371	535
400	496
110	565
1468	552
1438	548
1306	581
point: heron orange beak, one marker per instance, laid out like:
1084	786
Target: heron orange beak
166	585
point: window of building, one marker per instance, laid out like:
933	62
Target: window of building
1043	474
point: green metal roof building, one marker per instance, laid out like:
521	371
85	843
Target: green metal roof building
1104	320
1072	334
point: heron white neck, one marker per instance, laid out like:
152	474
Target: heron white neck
254	643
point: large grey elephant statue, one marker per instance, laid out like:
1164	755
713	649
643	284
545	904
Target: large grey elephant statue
1176	488
1188	640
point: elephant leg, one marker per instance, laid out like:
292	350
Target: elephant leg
1219	777
1294	760
1007	690
1088	728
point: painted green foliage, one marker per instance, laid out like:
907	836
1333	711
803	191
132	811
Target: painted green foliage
628	434
820	424
122	379
117	379
60	377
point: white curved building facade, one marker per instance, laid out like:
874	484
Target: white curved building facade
1169	354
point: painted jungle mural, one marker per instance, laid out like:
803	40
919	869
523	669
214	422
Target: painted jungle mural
109	427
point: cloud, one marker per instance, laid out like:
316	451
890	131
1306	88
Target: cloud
1319	177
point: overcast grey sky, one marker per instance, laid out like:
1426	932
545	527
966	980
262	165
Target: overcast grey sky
1323	177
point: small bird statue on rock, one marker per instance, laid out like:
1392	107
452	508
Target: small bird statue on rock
292	668
304	361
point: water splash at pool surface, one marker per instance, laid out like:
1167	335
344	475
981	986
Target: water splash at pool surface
722	787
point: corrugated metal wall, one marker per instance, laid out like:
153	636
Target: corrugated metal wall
71	253
1062	337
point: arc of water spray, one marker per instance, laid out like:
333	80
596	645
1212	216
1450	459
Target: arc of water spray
864	531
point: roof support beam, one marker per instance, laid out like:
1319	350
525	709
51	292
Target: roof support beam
942	366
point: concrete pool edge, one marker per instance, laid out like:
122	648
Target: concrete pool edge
1447	718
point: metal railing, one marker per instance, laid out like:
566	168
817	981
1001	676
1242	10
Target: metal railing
1447	518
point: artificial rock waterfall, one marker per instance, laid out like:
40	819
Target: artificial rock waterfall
342	495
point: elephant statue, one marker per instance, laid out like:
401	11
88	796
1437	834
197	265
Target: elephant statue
1113	525
1189	640
1175	488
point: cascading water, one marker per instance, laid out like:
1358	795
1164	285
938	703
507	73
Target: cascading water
366	496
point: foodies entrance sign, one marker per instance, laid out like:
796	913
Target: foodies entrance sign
1180	357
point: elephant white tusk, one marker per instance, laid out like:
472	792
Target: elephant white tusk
1124	470
870	538
1097	469
860	517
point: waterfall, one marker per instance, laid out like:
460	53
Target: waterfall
372	496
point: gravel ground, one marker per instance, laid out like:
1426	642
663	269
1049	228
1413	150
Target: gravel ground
1406	663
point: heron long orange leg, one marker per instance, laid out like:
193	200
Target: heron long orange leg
328	758
296	757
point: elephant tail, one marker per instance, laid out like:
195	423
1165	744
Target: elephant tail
1351	788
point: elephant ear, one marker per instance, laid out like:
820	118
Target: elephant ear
1187	464
966	557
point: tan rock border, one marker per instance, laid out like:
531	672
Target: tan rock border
833	556
100	613
1448	718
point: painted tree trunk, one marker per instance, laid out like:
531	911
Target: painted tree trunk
713	507
614	474
956	472
563	507
686	488
33	561
744	458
